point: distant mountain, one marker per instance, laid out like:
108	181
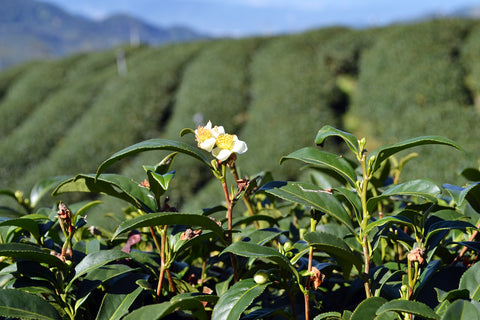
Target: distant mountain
31	29
468	12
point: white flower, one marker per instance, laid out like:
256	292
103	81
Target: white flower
207	136
226	145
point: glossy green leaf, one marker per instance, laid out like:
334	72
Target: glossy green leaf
96	260
406	306
29	252
101	274
309	195
26	224
472	174
325	159
471	193
236	300
251	250
461	309
446	225
8	193
470	280
422	188
258	217
169	218
150	145
351	197
115	306
263	236
159	183
160	310
43	187
383	153
202	297
328	131
401	220
335	247
329	316
367	309
113	185
21	304
83	207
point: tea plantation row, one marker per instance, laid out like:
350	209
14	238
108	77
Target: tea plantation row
388	84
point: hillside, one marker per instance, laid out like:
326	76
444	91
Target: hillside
388	84
38	30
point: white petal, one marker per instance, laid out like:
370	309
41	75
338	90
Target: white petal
209	125
239	147
221	154
207	144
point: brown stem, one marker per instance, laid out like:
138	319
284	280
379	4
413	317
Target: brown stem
170	281
464	249
366	256
246	199
230	228
161	251
307	287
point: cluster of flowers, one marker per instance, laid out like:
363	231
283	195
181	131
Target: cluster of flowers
219	143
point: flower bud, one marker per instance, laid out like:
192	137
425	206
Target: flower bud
260	277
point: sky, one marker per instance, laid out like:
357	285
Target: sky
239	18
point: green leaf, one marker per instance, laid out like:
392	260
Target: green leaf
349	138
202	297
113	185
258	217
169	218
459	194
20	304
236	300
367	309
337	248
329	316
263	236
470	280
160	310
422	188
41	188
383	153
251	250
446	225
351	197
115	306
321	158
29	225
150	145
29	252
162	181
461	309
472	174
390	219
412	307
309	195
96	260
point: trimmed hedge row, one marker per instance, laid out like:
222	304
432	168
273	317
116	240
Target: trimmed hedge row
411	83
130	108
30	89
51	119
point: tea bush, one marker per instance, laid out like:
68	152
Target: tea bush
363	247
145	91
30	89
412	80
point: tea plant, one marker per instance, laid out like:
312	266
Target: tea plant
355	242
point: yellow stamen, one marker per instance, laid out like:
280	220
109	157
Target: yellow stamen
225	141
203	134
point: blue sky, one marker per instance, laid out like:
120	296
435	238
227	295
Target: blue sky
263	17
